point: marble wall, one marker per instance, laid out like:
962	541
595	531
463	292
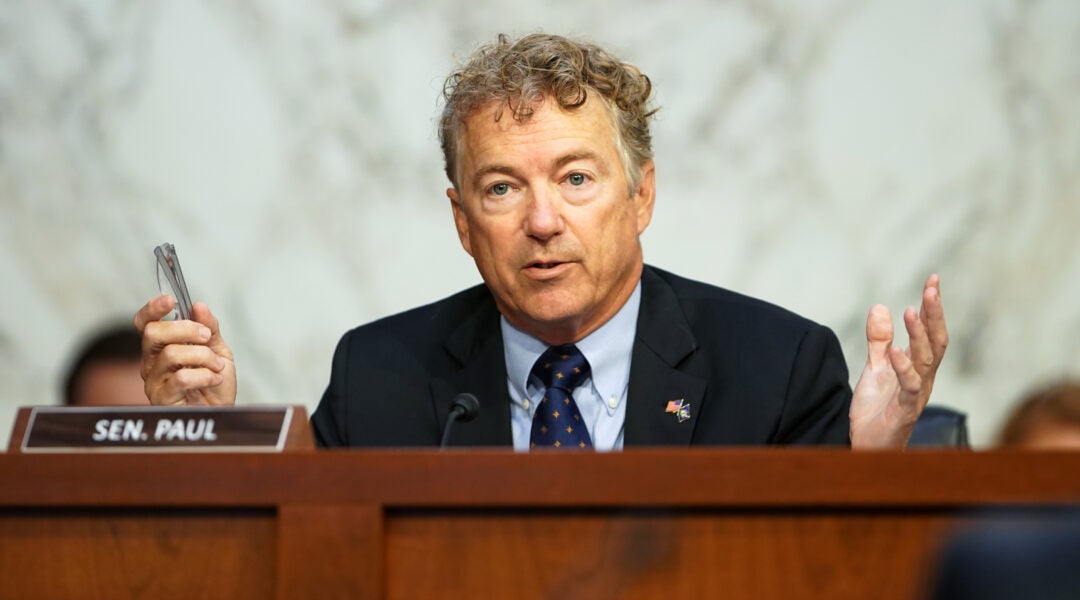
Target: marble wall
824	156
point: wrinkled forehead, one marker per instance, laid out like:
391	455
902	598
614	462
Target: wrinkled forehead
509	115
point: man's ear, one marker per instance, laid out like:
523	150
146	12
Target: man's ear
645	196
461	222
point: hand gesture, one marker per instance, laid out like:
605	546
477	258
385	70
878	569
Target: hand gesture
895	384
184	362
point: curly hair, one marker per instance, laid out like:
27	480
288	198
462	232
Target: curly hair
520	74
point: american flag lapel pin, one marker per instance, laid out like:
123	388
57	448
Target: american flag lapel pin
680	408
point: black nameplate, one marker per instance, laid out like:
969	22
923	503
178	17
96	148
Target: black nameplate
157	429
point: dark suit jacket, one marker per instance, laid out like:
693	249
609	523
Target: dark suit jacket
752	373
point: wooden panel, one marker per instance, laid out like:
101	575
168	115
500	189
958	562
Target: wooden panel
328	551
647	555
133	554
648	523
644	478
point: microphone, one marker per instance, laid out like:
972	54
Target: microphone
464	408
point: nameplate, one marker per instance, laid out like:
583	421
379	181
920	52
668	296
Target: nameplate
157	429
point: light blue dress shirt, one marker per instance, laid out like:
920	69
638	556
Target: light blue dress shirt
601	398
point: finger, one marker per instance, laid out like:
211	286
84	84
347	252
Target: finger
179	385
932	314
187	356
910	381
919	352
154	310
201	313
879	334
159	334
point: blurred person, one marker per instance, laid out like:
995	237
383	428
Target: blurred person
1048	418
548	152
105	372
1011	554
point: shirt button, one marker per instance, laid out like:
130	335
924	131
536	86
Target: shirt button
612	401
525	403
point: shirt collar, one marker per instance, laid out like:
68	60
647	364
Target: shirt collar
608	350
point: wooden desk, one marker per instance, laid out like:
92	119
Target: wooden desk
474	524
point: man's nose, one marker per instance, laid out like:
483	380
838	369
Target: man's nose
543	217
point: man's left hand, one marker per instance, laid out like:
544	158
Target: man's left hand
895	384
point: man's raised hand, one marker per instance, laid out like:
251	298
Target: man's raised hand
184	362
895	384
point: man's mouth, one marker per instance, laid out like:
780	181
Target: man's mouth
544	265
545	270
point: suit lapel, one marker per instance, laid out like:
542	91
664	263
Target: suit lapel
661	371
664	349
477	346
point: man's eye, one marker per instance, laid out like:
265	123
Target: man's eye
576	179
500	189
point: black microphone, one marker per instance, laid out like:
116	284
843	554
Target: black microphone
464	408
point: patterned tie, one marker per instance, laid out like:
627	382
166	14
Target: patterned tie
557	422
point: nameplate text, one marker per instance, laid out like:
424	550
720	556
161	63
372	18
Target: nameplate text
157	429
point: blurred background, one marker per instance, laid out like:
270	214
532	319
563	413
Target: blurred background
823	156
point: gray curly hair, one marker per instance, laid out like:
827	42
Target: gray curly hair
519	74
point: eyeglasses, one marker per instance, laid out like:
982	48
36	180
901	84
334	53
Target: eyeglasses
168	265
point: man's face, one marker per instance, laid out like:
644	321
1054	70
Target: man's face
543	207
111	383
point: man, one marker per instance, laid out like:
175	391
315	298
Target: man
572	340
105	372
1048	418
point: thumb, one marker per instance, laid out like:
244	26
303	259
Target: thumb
200	313
879	335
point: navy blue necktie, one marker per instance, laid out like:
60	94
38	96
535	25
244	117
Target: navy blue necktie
557	422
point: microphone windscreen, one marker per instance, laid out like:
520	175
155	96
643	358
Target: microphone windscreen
468	404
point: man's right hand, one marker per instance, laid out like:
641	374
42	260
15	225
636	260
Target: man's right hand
184	362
